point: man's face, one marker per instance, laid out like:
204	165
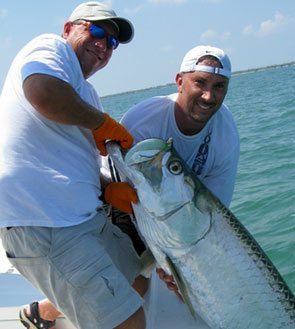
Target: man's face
200	95
93	53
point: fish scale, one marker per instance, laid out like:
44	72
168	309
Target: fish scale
221	270
230	295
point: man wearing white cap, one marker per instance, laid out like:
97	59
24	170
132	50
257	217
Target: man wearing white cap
52	130
201	125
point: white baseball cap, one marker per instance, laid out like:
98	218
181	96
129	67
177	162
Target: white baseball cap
192	57
96	11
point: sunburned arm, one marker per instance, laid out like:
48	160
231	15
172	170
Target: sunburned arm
58	101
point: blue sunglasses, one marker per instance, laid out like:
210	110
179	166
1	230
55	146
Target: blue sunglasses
99	32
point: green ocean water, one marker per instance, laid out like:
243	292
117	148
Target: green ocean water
263	104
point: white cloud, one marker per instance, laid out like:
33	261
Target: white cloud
133	11
5	43
267	27
167	48
208	35
158	2
140	7
109	3
3	12
248	30
272	25
212	1
225	36
212	35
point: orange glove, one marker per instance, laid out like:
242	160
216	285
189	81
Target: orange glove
111	129
120	195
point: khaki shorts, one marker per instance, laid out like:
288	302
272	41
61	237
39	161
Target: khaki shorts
85	270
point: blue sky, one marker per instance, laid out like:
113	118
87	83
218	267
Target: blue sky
255	33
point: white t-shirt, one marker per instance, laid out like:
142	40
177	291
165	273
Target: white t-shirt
49	172
213	153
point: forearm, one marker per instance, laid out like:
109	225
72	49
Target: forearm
59	102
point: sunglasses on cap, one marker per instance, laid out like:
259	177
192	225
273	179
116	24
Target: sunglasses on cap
99	32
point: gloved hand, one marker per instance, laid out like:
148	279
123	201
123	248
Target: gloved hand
111	129
120	195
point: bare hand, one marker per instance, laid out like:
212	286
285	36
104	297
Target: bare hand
169	281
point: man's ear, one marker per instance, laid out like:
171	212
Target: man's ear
67	29
179	81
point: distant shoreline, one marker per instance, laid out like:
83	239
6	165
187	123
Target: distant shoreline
264	68
234	73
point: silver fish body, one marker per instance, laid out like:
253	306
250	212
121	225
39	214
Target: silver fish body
222	272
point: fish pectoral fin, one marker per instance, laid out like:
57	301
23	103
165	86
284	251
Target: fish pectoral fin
147	263
181	286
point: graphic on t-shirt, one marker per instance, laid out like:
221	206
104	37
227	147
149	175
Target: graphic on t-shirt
202	155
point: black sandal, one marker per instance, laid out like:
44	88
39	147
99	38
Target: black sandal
33	321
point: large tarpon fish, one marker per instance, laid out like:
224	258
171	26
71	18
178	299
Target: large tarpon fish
221	271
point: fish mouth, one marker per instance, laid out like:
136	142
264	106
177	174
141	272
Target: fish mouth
168	214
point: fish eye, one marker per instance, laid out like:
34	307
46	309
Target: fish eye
175	167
